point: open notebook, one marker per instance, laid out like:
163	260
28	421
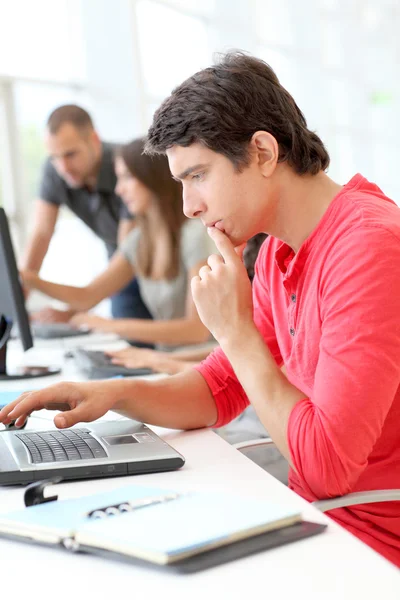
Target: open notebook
159	526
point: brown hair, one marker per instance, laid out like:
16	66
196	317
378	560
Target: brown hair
69	113
224	105
154	173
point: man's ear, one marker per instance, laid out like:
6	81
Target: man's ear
265	148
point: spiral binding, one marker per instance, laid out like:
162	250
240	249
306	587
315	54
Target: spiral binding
129	506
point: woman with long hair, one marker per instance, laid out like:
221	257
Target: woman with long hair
164	251
181	360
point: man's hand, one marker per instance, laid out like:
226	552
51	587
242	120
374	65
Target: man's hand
222	292
83	402
90	321
28	280
52	315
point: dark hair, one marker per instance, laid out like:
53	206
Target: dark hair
224	105
69	113
154	173
251	251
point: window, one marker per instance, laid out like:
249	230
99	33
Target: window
205	7
273	22
42	39
172	47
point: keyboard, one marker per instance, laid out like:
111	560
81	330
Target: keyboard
50	331
56	446
94	364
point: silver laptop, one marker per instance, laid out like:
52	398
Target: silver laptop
50	331
110	448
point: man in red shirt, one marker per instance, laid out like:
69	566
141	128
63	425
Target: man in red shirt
316	347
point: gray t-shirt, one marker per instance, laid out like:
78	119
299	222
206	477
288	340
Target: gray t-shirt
166	299
101	209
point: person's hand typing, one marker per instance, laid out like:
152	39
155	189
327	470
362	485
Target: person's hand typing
83	402
142	358
51	315
90	321
134	358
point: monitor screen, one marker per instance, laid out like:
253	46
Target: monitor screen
12	302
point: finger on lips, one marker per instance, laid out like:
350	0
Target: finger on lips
223	244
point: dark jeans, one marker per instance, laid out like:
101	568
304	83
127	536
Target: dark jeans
128	304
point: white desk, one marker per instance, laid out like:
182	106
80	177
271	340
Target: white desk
333	565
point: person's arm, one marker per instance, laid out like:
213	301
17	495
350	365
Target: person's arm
161	362
328	433
183	402
116	276
223	295
194	354
52	315
333	432
187	330
45	218
142	358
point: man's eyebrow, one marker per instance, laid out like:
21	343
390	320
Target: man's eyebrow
188	171
66	153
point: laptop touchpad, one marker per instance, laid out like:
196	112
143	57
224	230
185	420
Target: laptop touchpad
117	440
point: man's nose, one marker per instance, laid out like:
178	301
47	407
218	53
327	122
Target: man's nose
193	206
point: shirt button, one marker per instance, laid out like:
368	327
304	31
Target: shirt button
293	297
292	331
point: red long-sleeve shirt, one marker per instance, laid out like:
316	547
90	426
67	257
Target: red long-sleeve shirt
331	315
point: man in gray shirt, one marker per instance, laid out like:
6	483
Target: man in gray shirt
79	173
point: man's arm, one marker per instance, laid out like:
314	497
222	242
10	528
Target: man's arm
329	433
182	401
264	383
223	295
45	218
116	276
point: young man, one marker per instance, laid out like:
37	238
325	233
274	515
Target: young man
80	174
316	348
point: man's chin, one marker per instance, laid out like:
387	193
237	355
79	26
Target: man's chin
73	183
236	240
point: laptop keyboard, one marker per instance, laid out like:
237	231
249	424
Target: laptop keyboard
95	364
58	446
97	358
55	330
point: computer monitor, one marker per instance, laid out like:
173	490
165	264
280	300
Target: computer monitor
12	309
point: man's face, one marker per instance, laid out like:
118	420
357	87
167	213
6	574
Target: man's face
234	202
73	154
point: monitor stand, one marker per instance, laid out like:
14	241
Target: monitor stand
22	372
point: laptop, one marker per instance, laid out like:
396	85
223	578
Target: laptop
105	449
95	364
50	331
